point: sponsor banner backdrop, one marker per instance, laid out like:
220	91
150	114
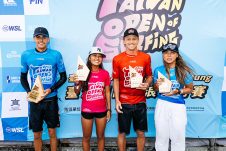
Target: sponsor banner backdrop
1	56
15	128
11	79
0	104
223	97
15	104
1	131
12	28
11	7
36	7
11	53
79	25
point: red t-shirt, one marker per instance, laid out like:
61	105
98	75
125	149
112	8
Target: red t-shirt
142	64
94	100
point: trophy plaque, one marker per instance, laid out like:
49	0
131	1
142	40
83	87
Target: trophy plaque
166	84
37	91
135	78
82	70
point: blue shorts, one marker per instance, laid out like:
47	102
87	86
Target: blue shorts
133	112
44	111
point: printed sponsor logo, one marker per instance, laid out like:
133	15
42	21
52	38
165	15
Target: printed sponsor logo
14	130
13	54
45	71
7	28
36	1
9	3
15	105
40	59
36	7
8	79
12	27
12	79
71	109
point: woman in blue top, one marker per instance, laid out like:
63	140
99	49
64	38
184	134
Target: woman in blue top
170	112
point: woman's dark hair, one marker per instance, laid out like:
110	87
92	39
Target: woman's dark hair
181	69
89	65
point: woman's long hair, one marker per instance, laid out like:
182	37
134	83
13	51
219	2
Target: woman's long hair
181	69
89	65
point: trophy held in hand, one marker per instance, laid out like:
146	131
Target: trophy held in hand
37	92
80	75
166	84
135	78
82	70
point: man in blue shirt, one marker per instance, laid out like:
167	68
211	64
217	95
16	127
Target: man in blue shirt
46	63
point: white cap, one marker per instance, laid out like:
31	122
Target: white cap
97	50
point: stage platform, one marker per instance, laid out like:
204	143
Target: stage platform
75	144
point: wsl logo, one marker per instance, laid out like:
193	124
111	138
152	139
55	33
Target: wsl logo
7	28
14	130
9	3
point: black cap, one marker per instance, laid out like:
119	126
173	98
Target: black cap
131	31
41	31
170	46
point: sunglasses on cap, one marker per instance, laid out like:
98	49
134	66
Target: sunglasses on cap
170	46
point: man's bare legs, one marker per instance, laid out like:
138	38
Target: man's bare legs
140	140
121	142
38	141
53	139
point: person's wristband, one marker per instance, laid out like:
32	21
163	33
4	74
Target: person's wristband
109	110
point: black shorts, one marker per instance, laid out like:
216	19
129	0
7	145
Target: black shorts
87	115
44	111
136	113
